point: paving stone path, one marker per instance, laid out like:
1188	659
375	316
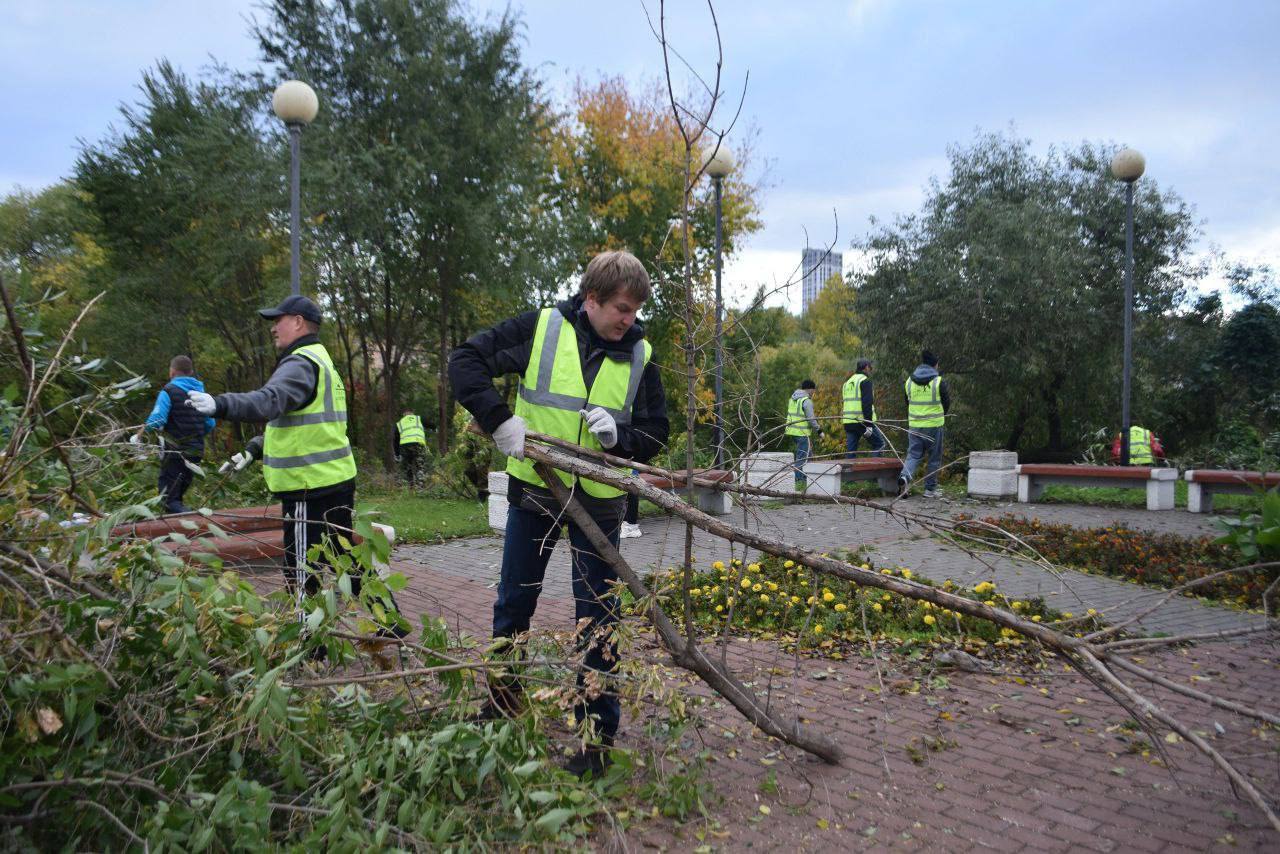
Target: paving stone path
1019	760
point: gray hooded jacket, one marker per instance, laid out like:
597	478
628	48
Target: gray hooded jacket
808	407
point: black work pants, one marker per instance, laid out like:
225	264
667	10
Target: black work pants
175	477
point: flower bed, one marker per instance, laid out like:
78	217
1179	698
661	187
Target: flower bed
778	600
1165	560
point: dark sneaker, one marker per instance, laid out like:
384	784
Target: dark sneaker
903	485
593	761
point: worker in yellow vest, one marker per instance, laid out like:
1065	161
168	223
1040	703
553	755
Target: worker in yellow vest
928	401
586	376
411	446
802	426
1144	448
306	457
859	411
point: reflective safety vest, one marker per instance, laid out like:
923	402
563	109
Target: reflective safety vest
308	448
852	394
797	423
411	431
553	389
924	404
1140	447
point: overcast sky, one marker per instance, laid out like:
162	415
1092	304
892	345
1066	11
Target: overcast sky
855	101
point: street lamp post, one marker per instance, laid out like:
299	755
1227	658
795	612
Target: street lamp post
718	164
296	104
1128	166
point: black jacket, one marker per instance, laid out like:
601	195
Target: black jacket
506	348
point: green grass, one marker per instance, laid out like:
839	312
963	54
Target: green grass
1120	497
420	518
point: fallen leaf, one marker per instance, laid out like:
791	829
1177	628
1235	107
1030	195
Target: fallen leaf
48	720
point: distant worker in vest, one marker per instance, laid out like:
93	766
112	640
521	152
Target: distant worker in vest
1145	447
306	457
928	402
859	411
585	377
184	430
802	426
411	446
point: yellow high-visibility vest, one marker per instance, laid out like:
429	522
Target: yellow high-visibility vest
924	403
308	448
1140	447
553	390
411	431
852	394
797	423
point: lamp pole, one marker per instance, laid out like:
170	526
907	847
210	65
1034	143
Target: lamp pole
296	104
718	164
1128	166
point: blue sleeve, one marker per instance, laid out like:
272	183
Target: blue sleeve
159	413
209	424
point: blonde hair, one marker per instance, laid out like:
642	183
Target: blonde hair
612	272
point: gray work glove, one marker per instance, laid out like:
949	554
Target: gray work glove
870	431
201	402
602	425
509	437
135	439
236	463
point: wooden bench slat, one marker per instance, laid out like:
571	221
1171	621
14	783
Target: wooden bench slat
1257	478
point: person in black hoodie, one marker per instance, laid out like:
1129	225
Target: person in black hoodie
928	402
586	377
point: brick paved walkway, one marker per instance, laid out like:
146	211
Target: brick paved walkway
1024	761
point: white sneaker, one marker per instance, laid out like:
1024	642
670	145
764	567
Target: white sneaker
933	493
629	530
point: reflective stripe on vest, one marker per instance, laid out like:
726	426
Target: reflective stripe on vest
924	405
852	394
308	448
1140	447
797	422
553	389
411	430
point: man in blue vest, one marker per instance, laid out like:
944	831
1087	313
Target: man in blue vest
928	402
306	456
586	377
184	430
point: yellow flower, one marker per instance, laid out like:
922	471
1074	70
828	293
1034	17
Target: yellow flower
877	607
886	597
929	619
813	600
756	588
773	587
817	630
1092	613
1035	618
1008	633
718	565
886	572
719	608
948	584
795	600
1017	606
737	562
866	566
928	606
764	597
906	573
746	583
828	596
789	564
984	587
1067	614
755	567
841	606
694	591
729	601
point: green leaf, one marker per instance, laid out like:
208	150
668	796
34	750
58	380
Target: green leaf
552	820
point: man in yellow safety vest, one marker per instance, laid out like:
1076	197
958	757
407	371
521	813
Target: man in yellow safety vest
306	457
411	444
928	401
585	377
802	426
859	411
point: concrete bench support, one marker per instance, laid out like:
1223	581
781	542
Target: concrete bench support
1158	482
769	470
883	470
992	474
1203	484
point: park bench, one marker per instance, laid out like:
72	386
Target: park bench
705	498
254	534
1158	482
1202	484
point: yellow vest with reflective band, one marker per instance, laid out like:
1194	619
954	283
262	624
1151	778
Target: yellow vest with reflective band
411	431
1140	447
924	405
308	448
553	389
852	394
797	423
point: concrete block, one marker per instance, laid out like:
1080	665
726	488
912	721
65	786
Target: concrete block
498	500
715	503
1160	493
989	483
1028	490
769	470
1199	499
822	478
993	460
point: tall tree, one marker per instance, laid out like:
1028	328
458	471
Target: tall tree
833	320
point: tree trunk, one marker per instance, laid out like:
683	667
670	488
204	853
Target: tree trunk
442	357
1053	412
1019	427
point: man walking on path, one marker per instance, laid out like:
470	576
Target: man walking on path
185	429
411	445
802	425
928	401
586	377
306	457
859	412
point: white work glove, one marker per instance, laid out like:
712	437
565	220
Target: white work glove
602	425
201	402
135	439
509	437
236	463
870	431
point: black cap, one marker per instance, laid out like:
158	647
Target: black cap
295	304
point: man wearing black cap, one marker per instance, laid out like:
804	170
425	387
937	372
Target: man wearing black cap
306	457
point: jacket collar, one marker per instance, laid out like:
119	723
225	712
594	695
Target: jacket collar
621	349
301	342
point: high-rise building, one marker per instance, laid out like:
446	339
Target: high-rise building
817	265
